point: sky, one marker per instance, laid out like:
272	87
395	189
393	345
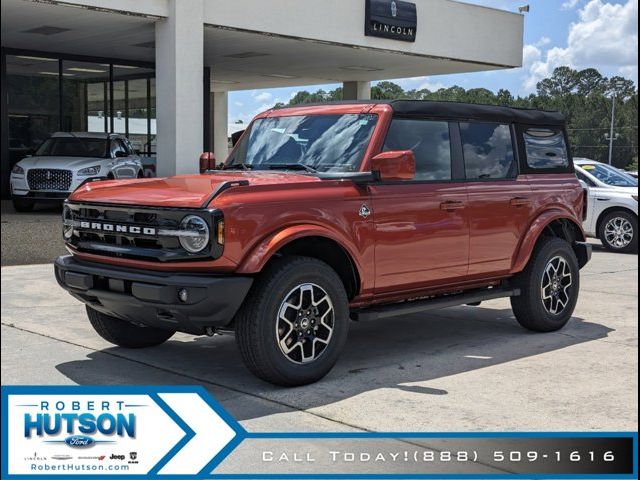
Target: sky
580	33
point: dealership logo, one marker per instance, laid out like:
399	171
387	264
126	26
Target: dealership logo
35	458
117	228
61	457
79	441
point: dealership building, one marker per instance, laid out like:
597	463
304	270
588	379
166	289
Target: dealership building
159	71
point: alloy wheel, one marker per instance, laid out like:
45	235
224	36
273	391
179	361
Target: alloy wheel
305	323
556	285
618	232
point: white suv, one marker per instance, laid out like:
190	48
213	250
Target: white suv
65	161
612	211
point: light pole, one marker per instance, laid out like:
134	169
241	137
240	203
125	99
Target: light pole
612	137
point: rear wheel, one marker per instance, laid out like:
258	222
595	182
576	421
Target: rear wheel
294	322
549	287
619	232
126	334
22	205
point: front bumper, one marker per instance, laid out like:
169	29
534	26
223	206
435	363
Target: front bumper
20	189
151	298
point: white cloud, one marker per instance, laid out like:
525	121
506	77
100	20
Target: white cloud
569	4
542	42
262	96
605	35
238	104
431	86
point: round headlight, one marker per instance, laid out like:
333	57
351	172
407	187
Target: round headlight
194	234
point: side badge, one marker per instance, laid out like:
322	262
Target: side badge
364	211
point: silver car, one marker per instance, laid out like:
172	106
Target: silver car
65	161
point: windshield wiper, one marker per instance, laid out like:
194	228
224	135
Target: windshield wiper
291	166
235	166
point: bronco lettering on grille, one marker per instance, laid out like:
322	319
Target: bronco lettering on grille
113	227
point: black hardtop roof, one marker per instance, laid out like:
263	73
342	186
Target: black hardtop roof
461	111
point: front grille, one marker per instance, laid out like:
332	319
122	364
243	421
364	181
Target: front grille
49	179
154	246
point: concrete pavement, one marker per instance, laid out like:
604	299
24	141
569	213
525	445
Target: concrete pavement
465	368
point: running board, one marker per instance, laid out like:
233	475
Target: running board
417	306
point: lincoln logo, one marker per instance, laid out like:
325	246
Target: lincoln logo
48	175
394	9
114	227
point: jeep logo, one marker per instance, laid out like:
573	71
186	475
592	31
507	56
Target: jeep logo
116	228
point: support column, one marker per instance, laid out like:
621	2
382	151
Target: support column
219	108
356	90
179	92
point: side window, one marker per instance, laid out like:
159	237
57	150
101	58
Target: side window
585	179
488	151
117	146
546	148
429	142
128	147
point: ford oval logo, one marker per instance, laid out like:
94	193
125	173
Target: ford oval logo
79	441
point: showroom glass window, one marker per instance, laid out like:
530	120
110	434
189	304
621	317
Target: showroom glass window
430	143
85	97
488	151
32	103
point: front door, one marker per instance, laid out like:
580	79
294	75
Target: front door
421	226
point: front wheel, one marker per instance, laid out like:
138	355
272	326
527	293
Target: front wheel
126	334
619	232
549	287
294	322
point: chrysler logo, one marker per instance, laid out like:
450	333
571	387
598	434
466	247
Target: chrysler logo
394	9
114	227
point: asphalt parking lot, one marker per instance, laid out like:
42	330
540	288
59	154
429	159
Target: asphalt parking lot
460	369
33	237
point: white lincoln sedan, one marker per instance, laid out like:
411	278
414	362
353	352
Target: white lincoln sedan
65	161
612	206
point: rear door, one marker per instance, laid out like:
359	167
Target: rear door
500	207
421	228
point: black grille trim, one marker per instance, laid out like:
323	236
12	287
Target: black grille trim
138	246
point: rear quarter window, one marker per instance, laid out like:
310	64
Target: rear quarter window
546	149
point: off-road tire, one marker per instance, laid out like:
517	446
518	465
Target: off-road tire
126	334
528	307
21	205
632	247
255	322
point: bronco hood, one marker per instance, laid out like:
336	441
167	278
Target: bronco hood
184	191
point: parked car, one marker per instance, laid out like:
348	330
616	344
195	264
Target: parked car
329	212
612	212
65	161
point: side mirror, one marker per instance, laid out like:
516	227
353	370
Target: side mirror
583	184
394	165
121	154
207	162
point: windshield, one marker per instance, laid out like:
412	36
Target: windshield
610	175
73	147
324	143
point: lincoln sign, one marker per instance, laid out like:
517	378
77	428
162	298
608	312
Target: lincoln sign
391	19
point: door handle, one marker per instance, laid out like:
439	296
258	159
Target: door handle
520	202
451	205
